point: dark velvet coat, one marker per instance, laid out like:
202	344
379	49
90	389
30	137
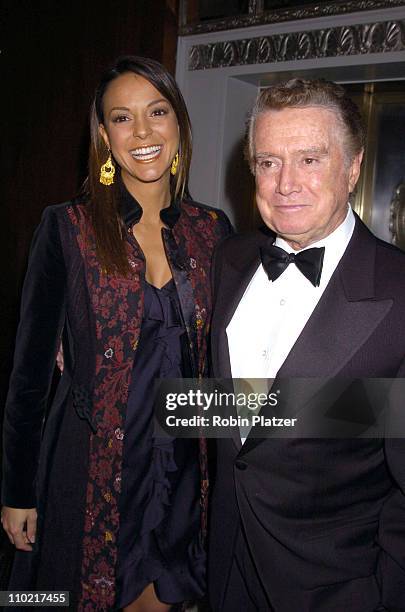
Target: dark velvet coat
324	518
70	469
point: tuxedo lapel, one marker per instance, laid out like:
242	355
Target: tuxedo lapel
344	317
235	275
343	320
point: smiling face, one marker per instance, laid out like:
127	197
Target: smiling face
140	127
303	178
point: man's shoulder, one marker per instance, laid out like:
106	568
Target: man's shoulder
390	267
391	252
386	260
237	246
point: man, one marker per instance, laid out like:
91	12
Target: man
308	524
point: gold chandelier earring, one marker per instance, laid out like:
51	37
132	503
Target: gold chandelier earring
107	171
175	165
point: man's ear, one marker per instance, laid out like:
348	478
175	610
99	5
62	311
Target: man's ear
103	133
354	170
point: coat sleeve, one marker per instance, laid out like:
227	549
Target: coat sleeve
224	230
392	519
38	337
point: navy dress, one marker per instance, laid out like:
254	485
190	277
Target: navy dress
159	539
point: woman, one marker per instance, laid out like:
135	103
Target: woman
122	276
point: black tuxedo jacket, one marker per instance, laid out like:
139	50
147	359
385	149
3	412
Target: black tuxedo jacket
324	518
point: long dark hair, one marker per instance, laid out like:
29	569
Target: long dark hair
103	202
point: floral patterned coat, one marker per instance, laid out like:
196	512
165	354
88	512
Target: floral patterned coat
70	469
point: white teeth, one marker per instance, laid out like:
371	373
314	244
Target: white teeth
146	152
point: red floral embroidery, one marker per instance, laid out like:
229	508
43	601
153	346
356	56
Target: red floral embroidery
117	304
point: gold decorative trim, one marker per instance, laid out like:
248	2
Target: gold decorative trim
363	39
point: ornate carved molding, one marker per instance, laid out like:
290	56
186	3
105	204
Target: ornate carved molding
361	39
319	9
397	216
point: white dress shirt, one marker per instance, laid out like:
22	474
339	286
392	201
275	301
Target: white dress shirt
272	314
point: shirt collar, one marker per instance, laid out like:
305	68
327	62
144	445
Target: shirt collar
335	245
131	211
337	240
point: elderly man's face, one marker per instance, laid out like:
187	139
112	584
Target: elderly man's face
302	177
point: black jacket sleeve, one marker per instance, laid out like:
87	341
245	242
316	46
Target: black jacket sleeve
391	534
38	337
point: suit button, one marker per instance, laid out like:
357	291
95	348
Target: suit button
241	465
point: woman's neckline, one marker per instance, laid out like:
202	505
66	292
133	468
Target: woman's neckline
165	286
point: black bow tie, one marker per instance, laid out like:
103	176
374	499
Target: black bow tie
309	262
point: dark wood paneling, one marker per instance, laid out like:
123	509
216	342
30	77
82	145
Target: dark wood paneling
52	56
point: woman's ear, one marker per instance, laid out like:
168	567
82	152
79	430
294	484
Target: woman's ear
103	133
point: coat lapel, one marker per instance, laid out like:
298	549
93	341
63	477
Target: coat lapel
234	279
343	320
179	264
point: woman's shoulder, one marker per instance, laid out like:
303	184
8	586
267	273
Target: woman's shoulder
197	208
214	215
57	224
75	207
64	215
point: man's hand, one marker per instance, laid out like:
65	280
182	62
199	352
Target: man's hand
20	525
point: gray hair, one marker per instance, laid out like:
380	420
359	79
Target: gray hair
300	93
